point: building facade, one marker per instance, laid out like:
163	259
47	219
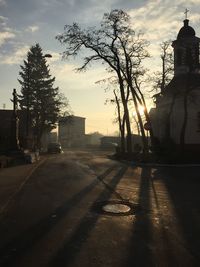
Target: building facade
71	131
176	117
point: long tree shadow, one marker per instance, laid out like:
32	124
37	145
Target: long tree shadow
24	241
164	254
183	186
139	251
72	247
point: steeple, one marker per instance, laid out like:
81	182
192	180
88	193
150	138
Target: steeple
186	31
186	50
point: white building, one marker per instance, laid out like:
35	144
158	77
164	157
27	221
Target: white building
176	117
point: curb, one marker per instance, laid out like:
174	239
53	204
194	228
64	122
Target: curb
139	164
143	164
164	165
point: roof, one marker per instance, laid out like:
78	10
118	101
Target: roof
70	118
186	31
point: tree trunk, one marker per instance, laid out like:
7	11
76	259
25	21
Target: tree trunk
122	139
126	117
185	116
168	126
151	135
144	139
121	125
184	125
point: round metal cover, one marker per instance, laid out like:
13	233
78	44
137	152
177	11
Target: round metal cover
116	208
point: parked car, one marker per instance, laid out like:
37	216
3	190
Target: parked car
54	148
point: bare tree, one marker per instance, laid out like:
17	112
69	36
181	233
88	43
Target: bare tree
163	77
116	45
121	119
112	83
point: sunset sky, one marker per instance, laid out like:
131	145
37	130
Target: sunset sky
26	22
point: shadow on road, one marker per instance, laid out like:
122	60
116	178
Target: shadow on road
139	249
183	187
166	237
72	247
17	247
150	243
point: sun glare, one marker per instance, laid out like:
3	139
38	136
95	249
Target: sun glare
141	110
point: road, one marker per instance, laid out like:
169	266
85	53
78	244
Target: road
56	218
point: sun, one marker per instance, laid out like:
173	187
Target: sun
141	109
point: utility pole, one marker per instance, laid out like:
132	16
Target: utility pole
27	103
15	124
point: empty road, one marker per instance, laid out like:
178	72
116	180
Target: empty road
56	218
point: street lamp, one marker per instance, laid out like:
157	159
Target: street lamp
47	55
28	94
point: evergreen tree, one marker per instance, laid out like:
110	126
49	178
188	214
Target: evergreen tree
39	97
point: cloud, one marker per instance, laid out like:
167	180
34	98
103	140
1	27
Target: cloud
2	2
3	20
19	53
32	28
65	74
6	33
161	20
4	36
16	57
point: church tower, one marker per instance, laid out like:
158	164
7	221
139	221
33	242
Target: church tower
176	118
186	51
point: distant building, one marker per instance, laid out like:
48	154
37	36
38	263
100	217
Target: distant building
71	131
176	117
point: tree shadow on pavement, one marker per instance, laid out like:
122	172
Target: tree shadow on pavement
183	187
139	249
166	232
71	248
18	246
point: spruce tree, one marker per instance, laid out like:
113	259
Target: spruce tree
39	97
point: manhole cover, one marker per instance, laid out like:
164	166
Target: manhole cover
115	207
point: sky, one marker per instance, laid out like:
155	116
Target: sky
24	23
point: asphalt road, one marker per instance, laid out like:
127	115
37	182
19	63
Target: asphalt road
56	219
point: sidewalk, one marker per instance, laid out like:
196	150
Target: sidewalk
12	180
